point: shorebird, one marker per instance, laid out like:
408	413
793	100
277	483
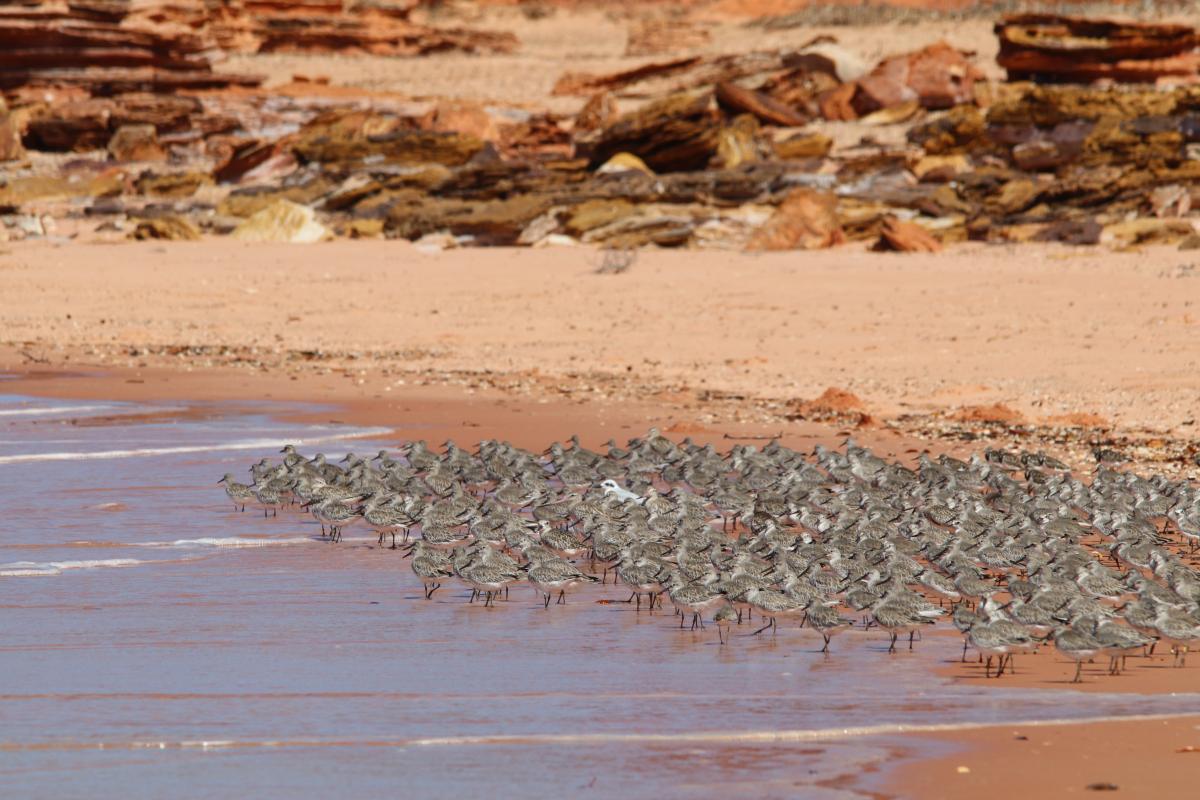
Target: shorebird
489	574
239	493
1179	630
825	619
611	488
431	566
334	513
722	619
897	617
696	598
1097	564
642	576
771	604
556	575
1117	641
1077	645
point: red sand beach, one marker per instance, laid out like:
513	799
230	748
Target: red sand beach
245	336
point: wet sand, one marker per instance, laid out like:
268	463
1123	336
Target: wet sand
1152	758
891	763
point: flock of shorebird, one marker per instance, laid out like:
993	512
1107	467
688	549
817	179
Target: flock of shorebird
1013	549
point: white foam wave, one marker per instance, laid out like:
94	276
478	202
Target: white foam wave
44	411
243	444
699	737
226	541
37	569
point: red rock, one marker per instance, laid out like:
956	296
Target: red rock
136	143
675	134
735	98
805	220
906	237
463	116
937	76
885	87
237	156
11	148
838	104
1057	48
583	83
599	111
362	30
44	46
72	126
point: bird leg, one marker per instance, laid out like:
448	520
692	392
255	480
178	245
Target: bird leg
1078	670
764	627
892	646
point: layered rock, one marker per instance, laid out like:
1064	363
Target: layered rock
96	46
1051	48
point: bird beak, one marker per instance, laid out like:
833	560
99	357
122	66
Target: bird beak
220	481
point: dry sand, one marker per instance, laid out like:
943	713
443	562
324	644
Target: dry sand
1044	331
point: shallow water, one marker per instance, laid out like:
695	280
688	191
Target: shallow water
159	643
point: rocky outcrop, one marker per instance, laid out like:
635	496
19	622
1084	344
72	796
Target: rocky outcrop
676	133
1051	48
94	46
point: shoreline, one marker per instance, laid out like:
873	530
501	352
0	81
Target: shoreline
923	761
964	349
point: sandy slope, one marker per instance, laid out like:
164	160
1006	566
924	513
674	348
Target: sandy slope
1045	331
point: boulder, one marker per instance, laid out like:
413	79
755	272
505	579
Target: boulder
349	137
592	214
136	143
677	133
282	221
938	76
737	99
169	226
11	130
804	145
171	184
236	156
622	163
493	222
939	169
598	112
462	116
806	220
739	143
905	237
830	58
1055	48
